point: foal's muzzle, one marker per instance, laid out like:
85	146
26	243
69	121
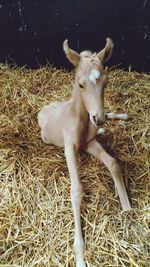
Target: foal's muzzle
98	120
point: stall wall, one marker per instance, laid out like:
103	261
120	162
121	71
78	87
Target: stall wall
32	31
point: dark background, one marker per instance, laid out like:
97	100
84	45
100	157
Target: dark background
32	32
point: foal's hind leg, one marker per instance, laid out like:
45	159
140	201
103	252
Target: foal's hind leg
111	163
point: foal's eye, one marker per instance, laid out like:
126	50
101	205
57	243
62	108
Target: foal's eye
81	85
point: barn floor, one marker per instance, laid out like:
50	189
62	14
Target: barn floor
36	222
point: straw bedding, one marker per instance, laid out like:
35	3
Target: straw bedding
36	221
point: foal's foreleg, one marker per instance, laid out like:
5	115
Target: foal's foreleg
111	163
118	116
76	198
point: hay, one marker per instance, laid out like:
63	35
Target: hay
36	222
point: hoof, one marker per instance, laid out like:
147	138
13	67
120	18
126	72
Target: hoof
127	207
80	263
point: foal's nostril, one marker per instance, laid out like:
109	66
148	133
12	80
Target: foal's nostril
95	119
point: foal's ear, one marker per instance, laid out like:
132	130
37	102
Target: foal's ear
72	55
106	53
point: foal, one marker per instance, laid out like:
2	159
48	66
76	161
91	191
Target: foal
74	124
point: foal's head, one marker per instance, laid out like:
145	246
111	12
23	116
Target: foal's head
91	78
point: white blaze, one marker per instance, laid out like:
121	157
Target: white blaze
94	74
